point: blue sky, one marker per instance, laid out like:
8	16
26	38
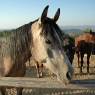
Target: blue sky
15	13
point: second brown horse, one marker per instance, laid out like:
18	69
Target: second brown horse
82	45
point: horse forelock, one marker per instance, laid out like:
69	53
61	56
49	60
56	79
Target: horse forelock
54	30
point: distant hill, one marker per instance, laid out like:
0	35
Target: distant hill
72	31
1	30
77	29
80	27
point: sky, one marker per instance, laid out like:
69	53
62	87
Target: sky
15	13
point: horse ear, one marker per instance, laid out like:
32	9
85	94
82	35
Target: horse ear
56	16
44	14
91	32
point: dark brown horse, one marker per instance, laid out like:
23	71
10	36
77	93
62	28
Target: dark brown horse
40	39
68	46
83	46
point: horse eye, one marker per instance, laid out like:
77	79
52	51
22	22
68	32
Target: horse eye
48	42
40	25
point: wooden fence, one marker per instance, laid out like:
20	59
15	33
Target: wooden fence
46	83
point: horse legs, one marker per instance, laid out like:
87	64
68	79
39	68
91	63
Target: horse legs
82	55
78	59
37	67
29	63
3	90
19	91
41	70
88	57
21	73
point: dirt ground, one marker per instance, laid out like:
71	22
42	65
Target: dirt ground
46	73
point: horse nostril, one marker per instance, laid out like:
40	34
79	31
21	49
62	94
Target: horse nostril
68	75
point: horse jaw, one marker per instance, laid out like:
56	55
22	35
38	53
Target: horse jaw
63	71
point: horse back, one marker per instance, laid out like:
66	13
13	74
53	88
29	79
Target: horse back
85	37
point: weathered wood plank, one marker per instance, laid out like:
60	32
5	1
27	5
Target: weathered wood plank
46	83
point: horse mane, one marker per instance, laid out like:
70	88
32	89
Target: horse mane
25	26
17	42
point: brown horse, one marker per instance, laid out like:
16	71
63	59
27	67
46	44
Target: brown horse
82	44
39	68
40	39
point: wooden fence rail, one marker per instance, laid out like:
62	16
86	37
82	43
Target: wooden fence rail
46	83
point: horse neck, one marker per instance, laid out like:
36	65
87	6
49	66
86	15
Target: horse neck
92	38
16	46
87	37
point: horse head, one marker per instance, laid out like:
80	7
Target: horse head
65	41
92	36
68	46
47	46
